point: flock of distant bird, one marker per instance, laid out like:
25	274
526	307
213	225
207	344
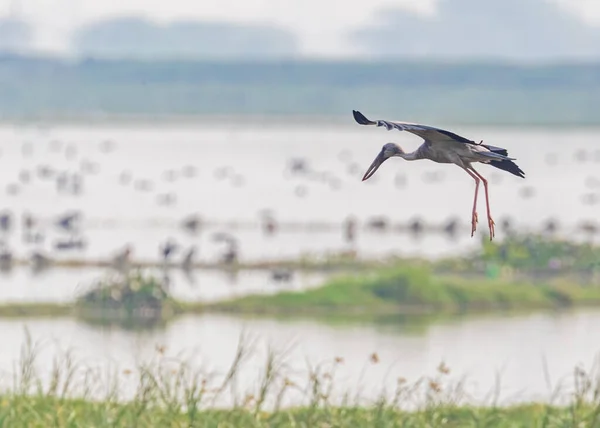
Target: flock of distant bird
439	145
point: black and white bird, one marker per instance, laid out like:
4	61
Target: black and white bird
445	147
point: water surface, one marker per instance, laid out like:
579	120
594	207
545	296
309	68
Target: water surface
187	162
515	348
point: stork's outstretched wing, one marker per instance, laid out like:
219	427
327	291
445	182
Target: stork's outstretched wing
440	136
428	133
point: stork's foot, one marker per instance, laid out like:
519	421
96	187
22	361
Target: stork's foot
473	223
491	225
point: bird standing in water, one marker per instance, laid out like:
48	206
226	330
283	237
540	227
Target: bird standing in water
445	147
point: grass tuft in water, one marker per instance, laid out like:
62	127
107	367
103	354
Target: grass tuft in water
132	298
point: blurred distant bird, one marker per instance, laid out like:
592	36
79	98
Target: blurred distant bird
45	171
507	225
527	192
24	176
169	175
188	259
89	167
166	199
269	224
5	221
298	165
350	229
107	146
445	147
39	261
69	221
168	249
551	226
28	222
451	227
192	224
588	227
143	185
230	256
281	275
378	223
6	258
125	178
70	244
224	237
188	171
122	259
12	188
223	172
416	227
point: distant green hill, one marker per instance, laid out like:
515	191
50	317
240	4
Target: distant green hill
466	93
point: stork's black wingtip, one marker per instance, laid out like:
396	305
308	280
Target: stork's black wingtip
361	119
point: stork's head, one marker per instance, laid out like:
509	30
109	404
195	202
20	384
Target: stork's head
387	151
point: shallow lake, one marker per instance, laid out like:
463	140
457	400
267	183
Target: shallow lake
139	187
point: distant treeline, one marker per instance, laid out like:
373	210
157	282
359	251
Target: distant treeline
469	93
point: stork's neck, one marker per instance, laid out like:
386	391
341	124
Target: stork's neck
411	156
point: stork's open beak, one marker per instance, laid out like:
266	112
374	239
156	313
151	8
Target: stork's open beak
374	166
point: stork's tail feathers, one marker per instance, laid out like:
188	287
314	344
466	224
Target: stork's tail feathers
508	166
494	155
361	119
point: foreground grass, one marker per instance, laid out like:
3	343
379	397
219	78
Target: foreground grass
40	411
168	391
413	290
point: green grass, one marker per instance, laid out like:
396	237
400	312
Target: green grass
34	309
47	411
398	295
414	290
170	392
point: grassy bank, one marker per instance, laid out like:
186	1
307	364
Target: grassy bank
34	309
385	294
414	290
44	412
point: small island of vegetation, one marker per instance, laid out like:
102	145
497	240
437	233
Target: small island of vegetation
518	273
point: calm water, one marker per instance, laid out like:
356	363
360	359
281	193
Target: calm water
478	349
259	179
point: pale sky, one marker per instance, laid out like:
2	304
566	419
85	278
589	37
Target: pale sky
319	24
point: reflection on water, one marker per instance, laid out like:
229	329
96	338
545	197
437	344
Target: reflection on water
516	348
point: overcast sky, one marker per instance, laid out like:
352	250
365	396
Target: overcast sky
319	24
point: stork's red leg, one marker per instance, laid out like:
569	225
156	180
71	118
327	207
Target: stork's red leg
491	223
474	213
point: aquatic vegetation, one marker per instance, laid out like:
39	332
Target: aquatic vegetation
135	297
168	391
414	290
530	253
413	293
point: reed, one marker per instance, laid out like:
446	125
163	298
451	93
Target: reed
169	391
